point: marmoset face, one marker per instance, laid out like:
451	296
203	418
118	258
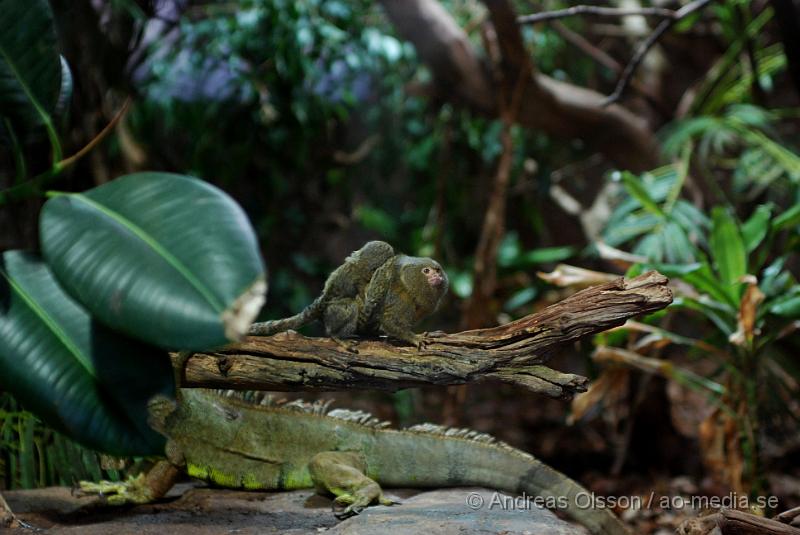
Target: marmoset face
434	275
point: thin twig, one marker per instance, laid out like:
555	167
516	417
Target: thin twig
602	58
648	43
30	186
357	156
596	11
584	45
66	162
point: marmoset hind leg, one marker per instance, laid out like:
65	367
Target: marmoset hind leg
341	321
341	473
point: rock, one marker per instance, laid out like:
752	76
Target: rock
204	511
458	511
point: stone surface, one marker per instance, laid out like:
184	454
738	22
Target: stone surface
192	510
446	512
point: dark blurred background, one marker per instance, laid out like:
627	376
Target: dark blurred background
331	124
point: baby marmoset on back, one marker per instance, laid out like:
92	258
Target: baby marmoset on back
374	290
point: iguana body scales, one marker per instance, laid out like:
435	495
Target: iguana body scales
255	444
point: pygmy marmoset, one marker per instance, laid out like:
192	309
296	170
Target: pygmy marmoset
374	290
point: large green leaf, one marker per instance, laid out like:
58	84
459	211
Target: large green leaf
637	189
169	259
677	247
30	66
788	219
722	321
77	375
787	305
727	247
548	254
699	275
755	229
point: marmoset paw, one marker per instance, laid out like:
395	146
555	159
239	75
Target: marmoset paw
434	334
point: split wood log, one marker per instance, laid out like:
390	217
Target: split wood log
732	522
7	519
513	353
792	516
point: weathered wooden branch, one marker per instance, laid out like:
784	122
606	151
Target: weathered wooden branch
513	353
732	522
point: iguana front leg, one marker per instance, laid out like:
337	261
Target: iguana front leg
341	473
144	488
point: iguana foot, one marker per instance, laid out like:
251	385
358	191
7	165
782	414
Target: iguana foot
342	474
132	490
350	507
353	505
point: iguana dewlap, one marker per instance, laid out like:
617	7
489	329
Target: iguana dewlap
238	443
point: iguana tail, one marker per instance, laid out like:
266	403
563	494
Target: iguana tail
432	456
309	314
568	496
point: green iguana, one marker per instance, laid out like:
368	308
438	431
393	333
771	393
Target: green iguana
248	442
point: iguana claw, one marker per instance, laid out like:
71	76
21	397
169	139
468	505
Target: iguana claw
354	505
132	490
346	513
348	502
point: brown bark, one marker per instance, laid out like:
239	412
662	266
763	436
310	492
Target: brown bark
513	353
560	109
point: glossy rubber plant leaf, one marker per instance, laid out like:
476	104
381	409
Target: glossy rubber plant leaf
30	66
165	258
74	373
65	91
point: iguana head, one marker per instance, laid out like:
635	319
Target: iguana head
159	408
